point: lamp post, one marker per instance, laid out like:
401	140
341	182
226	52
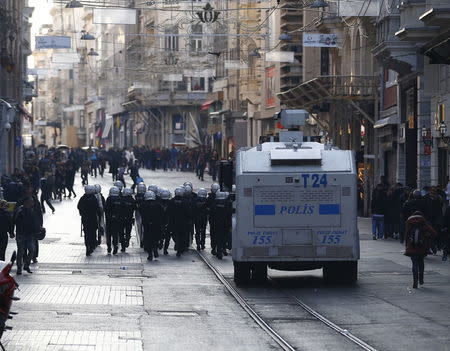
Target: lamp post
443	131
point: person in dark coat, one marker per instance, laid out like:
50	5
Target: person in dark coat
128	208
152	219
70	179
90	213
201	218
212	226
415	203
178	214
113	215
27	224
378	211
419	235
6	228
167	235
221	212
46	193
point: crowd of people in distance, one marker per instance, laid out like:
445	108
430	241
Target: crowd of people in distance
158	218
420	218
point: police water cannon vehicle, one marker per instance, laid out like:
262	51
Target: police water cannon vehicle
295	208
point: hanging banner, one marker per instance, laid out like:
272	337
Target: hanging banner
270	87
65	57
280	56
114	16
172	77
53	42
318	40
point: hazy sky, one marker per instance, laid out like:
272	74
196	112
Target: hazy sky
41	15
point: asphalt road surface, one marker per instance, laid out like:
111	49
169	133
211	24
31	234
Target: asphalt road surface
123	302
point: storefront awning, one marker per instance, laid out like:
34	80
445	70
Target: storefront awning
205	106
108	124
23	111
386	121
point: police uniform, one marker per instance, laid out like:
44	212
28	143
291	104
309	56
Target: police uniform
89	211
221	213
113	214
201	219
152	220
178	215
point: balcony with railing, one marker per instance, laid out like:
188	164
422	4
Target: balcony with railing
326	88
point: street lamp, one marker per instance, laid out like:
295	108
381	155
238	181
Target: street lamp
317	4
443	131
86	36
285	36
92	52
255	53
74	4
208	15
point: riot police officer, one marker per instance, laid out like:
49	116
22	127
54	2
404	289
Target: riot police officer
221	213
190	198
89	212
165	201
128	208
212	227
101	216
201	218
119	185
139	197
152	220
113	213
178	214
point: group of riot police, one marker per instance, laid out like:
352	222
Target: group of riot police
158	218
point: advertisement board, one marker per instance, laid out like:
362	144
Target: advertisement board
319	40
53	42
270	87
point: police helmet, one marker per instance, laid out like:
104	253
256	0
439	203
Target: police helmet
187	189
98	188
159	192
202	193
114	191
141	188
89	189
127	192
153	187
188	183
149	195
179	191
220	195
165	194
119	185
417	194
215	188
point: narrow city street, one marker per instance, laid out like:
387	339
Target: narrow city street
123	302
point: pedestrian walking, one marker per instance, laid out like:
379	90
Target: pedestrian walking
27	225
6	228
46	193
378	211
419	235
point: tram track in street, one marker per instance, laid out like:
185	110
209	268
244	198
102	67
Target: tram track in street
274	335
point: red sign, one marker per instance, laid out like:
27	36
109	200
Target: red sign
271	100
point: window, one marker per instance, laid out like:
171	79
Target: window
70	73
197	84
390	78
70	96
196	40
177	122
171	41
82	120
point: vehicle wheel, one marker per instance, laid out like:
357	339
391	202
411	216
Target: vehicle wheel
350	271
241	272
259	272
341	272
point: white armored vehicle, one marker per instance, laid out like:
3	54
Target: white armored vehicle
295	210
